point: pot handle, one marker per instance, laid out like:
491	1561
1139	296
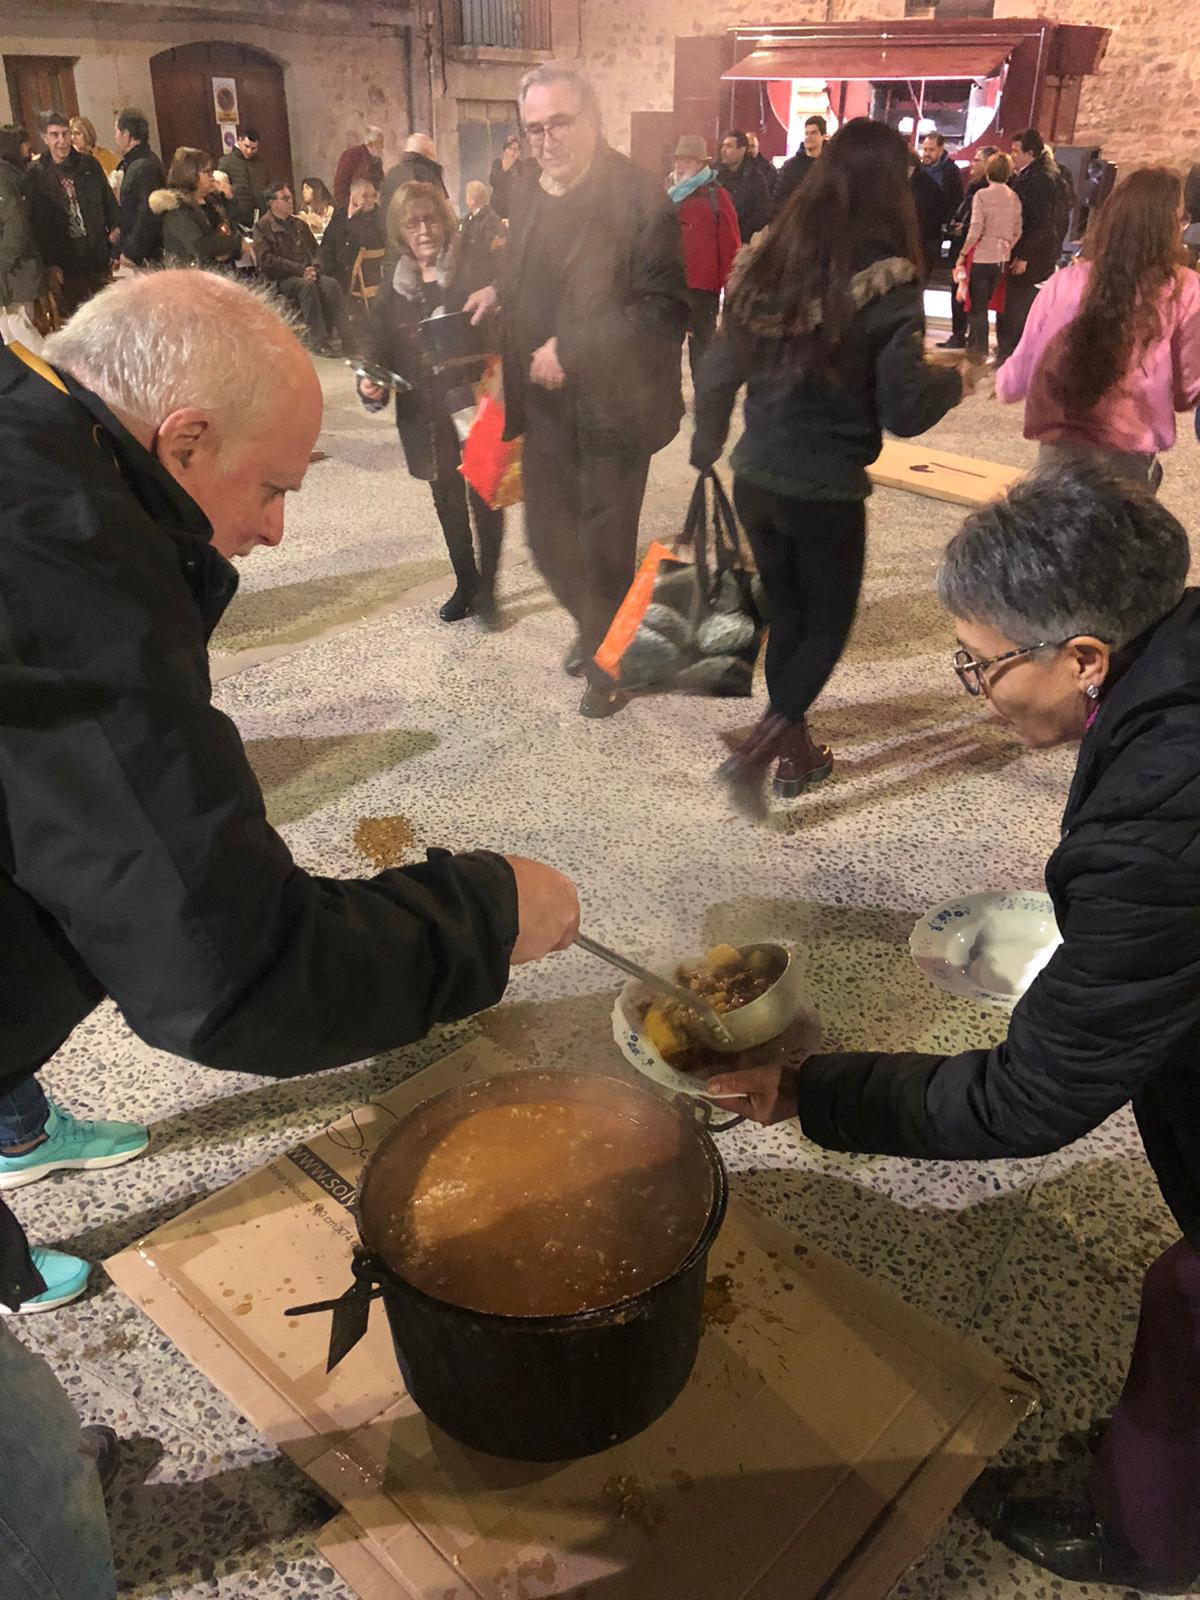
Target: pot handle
350	1310
705	1113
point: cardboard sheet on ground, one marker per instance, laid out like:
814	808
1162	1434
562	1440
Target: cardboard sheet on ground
941	475
827	1431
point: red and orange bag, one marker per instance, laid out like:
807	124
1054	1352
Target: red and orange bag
490	463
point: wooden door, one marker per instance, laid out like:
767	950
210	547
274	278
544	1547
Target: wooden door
41	83
183	102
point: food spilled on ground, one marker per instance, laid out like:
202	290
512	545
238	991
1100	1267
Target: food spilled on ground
548	1208
385	841
727	979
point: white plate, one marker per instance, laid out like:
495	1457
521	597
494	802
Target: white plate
802	1037
988	946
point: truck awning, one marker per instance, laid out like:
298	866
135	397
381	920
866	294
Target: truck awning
879	60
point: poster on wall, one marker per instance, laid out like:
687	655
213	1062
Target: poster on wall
228	137
225	100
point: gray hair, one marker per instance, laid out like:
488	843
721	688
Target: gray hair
558	72
1069	551
161	341
372	135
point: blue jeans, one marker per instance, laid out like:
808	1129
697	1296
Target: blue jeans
53	1527
23	1113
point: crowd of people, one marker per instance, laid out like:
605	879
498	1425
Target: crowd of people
137	862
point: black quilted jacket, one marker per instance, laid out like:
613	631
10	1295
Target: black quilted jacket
1115	1016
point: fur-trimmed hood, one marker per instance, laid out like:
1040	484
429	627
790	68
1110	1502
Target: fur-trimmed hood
164	200
760	315
406	280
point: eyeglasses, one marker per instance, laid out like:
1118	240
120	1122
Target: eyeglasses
970	672
536	132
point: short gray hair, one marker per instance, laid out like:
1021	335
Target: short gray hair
558	72
1070	550
161	341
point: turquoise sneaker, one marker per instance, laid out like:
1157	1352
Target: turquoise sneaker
72	1145
66	1279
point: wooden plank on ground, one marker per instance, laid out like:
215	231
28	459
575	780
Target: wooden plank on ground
940	475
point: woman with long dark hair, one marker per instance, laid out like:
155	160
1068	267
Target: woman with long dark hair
433	277
1112	347
825	325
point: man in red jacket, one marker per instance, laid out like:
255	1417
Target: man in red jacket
359	161
711	239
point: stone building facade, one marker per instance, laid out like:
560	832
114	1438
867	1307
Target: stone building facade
406	65
1143	105
345	64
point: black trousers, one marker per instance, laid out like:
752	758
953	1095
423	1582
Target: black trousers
958	312
984	279
323	307
703	306
457	506
582	512
1018	302
810	556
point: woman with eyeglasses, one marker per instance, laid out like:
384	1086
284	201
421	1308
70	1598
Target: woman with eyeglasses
825	327
1111	350
1075	626
431	277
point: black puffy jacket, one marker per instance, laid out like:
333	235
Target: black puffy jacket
814	431
1115	1016
141	230
136	859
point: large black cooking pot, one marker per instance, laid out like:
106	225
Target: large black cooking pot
541	1388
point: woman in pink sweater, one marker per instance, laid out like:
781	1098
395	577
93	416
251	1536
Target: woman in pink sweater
1111	350
995	228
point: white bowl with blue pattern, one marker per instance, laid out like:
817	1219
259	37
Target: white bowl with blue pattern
989	946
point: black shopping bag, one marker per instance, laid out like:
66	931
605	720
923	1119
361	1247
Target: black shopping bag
693	625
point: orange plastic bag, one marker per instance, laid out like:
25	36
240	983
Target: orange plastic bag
491	464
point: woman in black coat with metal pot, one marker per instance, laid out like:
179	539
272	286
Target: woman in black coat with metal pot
430	278
1074	625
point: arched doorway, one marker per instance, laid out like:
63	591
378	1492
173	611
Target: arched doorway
184	104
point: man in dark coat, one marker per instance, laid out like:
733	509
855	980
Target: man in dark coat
763	164
794	171
22	275
248	174
289	257
73	214
358	227
1035	254
595	309
419	164
746	185
944	171
141	171
1114	1017
510	171
931	212
137	860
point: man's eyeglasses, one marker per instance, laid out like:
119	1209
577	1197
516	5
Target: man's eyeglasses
971	672
536	132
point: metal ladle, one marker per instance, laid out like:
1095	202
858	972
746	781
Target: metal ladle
672	991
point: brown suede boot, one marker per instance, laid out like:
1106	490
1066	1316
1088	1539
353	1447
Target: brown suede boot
801	762
744	773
